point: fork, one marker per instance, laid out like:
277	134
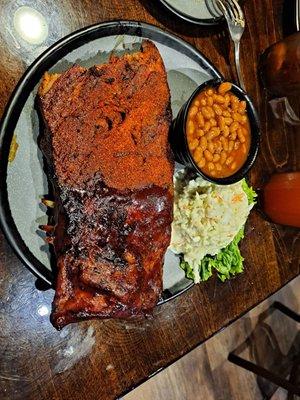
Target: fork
236	24
298	15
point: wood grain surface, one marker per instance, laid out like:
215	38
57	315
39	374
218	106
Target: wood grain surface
102	359
206	374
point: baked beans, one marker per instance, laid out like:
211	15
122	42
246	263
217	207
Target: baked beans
218	131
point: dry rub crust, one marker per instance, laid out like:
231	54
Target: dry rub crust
106	143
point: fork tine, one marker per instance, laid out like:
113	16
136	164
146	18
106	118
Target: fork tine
231	9
239	9
236	9
222	7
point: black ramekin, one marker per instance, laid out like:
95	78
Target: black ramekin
178	137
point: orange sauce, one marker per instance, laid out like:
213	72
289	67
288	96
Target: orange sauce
281	199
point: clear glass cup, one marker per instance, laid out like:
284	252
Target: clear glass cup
280	199
279	70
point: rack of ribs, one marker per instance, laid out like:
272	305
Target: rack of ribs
105	140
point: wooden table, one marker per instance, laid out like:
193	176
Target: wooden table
103	359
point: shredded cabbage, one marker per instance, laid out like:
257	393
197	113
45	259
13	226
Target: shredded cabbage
228	261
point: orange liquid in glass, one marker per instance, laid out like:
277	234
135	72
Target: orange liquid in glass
281	199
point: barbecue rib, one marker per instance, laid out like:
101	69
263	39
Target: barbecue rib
106	144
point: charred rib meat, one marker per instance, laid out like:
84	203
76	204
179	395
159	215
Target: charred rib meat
106	144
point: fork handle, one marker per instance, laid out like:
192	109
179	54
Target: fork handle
237	63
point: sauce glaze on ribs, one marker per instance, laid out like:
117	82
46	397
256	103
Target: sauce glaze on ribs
106	145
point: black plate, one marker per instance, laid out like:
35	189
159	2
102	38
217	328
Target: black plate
188	17
21	182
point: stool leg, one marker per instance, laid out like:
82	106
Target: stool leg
264	373
287	311
294	375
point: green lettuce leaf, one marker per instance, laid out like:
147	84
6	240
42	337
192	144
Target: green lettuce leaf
229	261
250	193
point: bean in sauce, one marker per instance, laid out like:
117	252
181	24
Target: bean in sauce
218	131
